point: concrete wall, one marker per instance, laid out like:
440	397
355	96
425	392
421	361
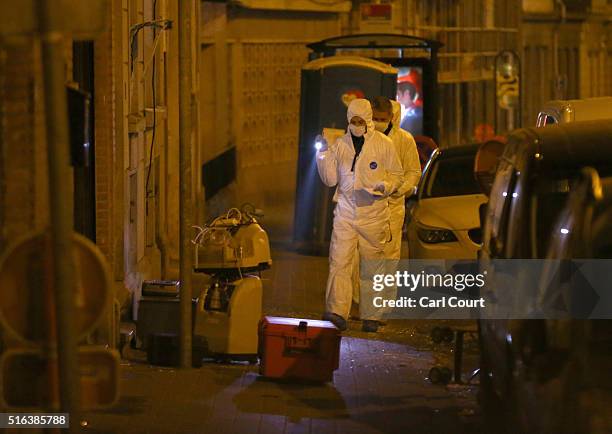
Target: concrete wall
565	56
249	96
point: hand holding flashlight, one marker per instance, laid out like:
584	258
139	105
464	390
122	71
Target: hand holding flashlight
320	143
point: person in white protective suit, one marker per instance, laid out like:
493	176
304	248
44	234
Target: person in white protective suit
386	115
387	118
364	165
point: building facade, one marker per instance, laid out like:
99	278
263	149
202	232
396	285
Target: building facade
567	49
124	197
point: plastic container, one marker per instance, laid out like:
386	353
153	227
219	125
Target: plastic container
302	349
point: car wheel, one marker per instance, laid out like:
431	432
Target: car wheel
495	409
553	382
492	406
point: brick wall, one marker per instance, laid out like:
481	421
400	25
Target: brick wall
17	144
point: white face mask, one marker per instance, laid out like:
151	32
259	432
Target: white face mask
381	126
357	131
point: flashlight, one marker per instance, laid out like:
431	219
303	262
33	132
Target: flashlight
319	142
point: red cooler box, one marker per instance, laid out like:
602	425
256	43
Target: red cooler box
305	349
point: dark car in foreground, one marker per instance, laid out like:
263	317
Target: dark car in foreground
561	375
535	176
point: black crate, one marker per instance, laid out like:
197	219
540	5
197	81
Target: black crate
163	349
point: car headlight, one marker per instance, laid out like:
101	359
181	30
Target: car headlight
435	235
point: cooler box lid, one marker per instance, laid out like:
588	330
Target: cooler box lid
279	326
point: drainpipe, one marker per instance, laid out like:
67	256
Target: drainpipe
57	136
161	241
185	186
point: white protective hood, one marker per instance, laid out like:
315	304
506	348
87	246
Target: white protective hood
361	107
397	114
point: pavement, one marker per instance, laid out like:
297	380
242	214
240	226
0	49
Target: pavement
381	385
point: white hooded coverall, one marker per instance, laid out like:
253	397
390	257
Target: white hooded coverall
406	149
361	216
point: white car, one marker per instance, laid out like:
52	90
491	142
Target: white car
444	222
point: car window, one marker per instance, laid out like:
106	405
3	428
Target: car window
567	237
551	194
451	176
546	209
563	233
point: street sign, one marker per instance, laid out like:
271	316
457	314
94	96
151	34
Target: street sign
507	80
376	17
507	91
376	12
26	273
24	378
80	19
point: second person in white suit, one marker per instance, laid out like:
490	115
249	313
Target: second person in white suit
406	149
